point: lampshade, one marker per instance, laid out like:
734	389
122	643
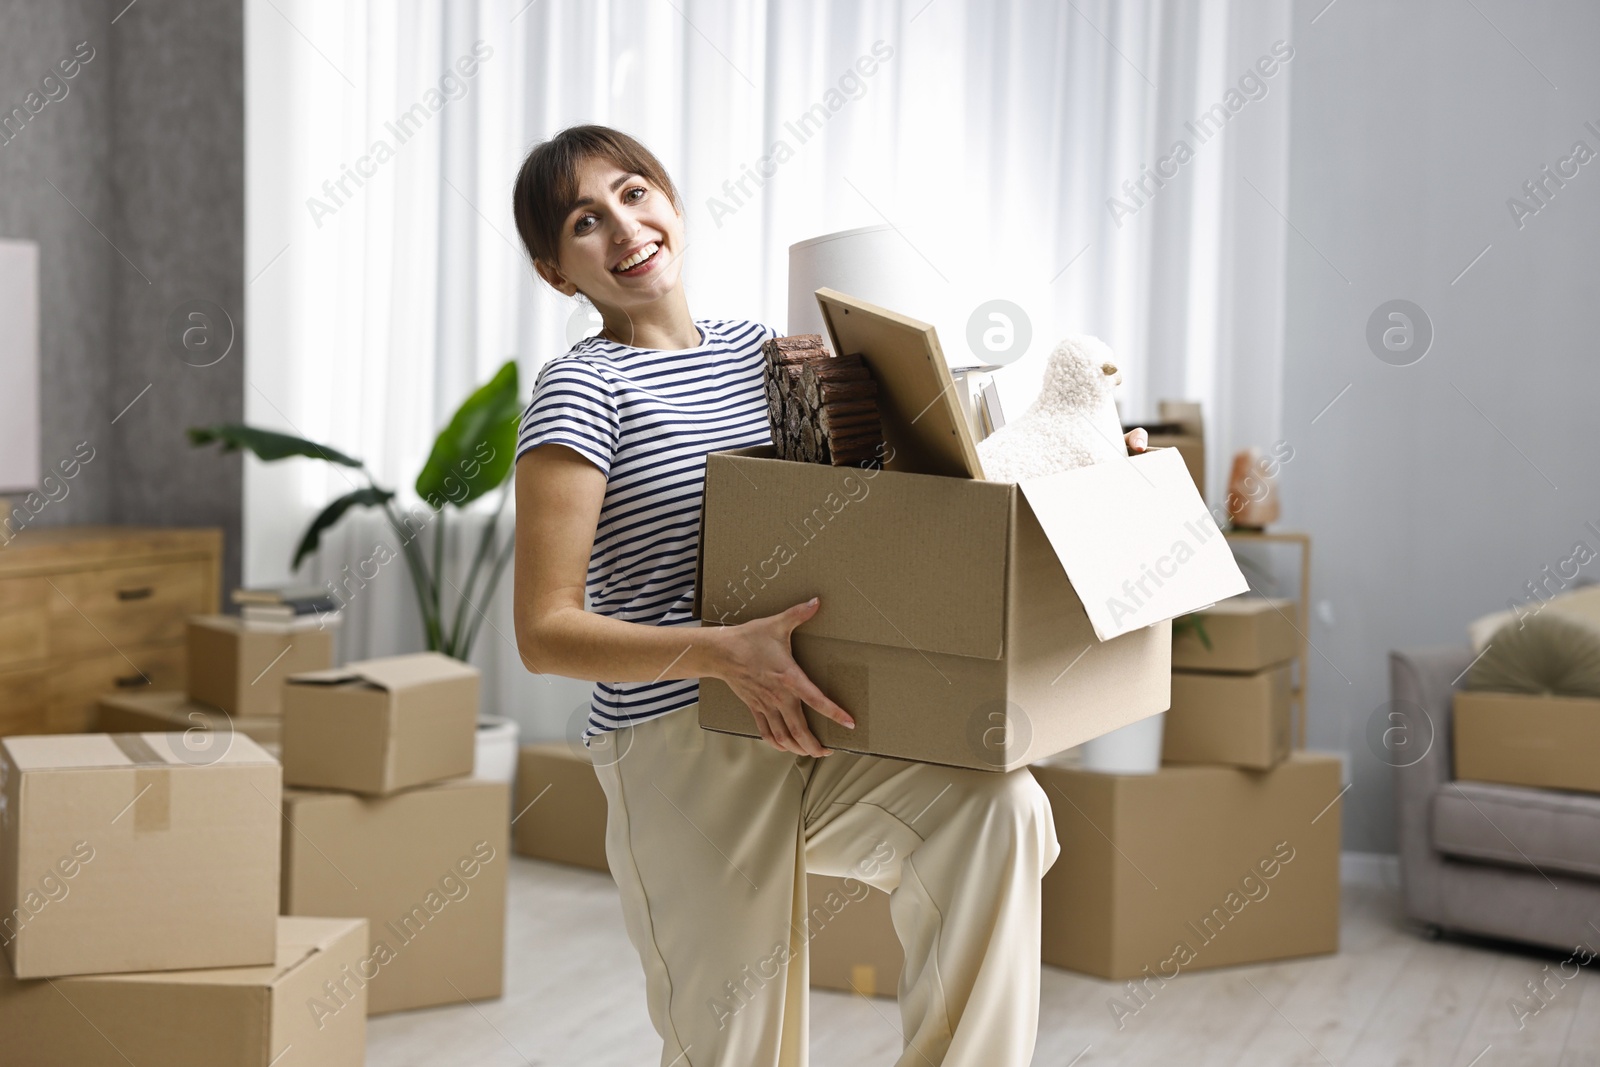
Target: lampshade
878	265
19	365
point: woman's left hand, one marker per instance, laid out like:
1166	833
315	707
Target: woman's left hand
1138	440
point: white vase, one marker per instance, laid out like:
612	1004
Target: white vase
1131	749
496	755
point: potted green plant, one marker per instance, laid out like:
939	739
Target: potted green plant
473	455
1192	621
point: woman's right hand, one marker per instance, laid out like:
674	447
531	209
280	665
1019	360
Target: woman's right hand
761	670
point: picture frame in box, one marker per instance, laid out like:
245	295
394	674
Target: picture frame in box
925	429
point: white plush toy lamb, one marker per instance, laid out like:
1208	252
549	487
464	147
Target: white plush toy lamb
1073	423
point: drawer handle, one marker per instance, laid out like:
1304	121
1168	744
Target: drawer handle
135	594
132	681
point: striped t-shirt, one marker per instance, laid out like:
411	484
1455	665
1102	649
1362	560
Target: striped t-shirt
647	418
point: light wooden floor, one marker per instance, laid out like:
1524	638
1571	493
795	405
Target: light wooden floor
575	996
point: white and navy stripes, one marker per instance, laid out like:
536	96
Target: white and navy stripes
647	418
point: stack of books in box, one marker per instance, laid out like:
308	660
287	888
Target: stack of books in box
139	913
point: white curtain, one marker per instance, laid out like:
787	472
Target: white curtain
386	284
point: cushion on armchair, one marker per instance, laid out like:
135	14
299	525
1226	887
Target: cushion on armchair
1534	829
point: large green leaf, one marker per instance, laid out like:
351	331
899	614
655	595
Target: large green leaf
370	497
473	454
268	445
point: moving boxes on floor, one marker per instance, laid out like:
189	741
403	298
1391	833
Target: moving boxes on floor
962	621
379	725
132	713
1237	719
425	862
1246	633
561	817
305	1008
853	945
425	867
130	852
1180	426
240	666
1231	700
1527	739
236	673
560	807
1192	867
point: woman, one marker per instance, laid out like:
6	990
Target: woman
708	835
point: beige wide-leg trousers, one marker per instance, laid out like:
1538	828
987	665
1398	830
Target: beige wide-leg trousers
710	836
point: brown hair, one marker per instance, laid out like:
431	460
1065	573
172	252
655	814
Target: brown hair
547	183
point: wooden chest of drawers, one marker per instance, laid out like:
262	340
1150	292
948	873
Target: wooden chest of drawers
90	609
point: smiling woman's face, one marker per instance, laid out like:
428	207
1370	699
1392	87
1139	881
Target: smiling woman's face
617	216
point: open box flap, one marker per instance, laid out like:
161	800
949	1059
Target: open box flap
1135	539
907	560
391	673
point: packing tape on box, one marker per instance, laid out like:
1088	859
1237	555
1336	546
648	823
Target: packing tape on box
152	785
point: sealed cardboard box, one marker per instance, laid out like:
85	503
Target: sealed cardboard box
962	621
159	712
426	868
1182	428
379	725
1192	867
1527	739
240	666
135	852
1247	633
853	946
560	807
307	1008
1238	719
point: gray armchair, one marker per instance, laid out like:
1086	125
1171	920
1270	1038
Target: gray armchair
1496	860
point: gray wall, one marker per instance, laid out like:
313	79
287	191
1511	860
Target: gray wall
149	145
68	144
1435	491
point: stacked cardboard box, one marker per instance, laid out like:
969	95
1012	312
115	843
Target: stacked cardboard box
236	673
240	666
159	712
382	821
1534	739
138	911
302	1009
1173	870
1230	700
1191	867
561	809
1179	425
